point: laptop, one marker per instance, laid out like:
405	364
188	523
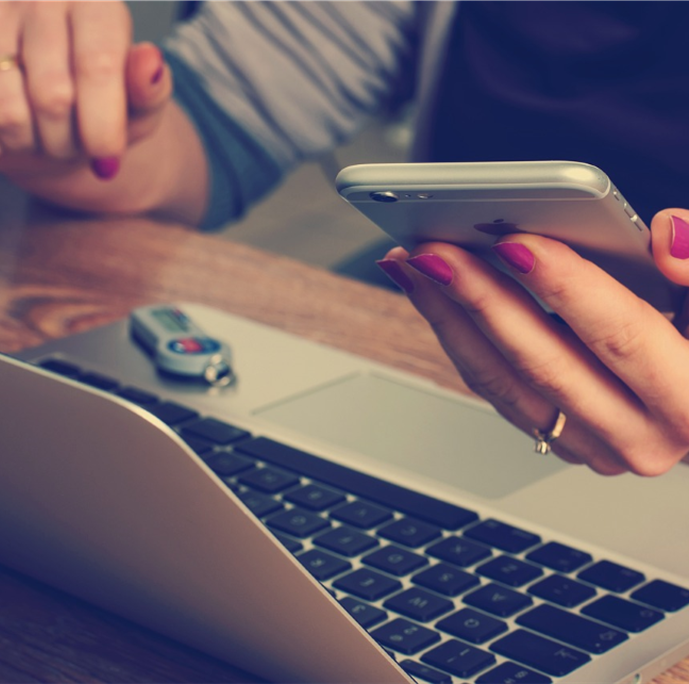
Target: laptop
329	519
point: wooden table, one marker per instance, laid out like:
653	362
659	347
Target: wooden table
62	274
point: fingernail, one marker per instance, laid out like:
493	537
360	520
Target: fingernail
105	167
158	74
394	271
679	247
433	267
516	255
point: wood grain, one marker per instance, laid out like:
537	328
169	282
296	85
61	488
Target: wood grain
60	275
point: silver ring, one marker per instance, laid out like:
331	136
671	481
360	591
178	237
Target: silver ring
9	62
544	438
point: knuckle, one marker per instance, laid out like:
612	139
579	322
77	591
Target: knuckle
99	66
622	336
558	293
14	119
606	468
479	304
623	341
55	101
647	457
545	374
494	386
648	464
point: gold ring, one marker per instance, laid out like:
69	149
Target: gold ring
8	62
545	438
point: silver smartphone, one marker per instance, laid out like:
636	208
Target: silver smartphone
472	203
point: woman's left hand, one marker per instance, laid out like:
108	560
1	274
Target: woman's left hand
619	369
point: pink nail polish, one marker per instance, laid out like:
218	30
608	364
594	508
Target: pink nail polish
105	168
433	267
394	271
158	75
679	247
516	255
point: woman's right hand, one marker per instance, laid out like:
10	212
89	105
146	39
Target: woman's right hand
74	91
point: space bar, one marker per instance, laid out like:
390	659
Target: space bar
421	506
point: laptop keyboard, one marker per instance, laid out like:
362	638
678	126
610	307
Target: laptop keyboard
451	596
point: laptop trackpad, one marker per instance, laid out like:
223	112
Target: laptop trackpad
431	434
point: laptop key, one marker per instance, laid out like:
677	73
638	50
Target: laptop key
361	514
292	545
323	565
511	673
663	595
137	396
445	515
446	579
69	370
472	626
410	532
364	613
172	413
418	604
540	653
315	497
559	557
422	672
510	571
562	590
268	480
611	576
459	658
297	522
215	431
572	629
259	504
394	560
102	382
367	584
503	536
497	600
200	446
404	636
228	463
346	541
627	615
459	551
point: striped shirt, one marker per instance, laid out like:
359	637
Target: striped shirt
271	84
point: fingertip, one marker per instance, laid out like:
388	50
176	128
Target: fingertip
105	168
670	244
394	270
679	240
398	253
148	77
516	255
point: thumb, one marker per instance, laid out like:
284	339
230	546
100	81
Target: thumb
149	84
670	241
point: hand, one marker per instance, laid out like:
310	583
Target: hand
79	93
618	369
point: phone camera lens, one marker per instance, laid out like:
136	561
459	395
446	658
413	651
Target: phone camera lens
386	196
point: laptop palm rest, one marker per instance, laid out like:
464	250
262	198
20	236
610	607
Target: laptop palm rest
424	432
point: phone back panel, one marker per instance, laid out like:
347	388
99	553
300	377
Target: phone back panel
574	203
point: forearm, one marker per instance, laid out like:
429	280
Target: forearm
164	174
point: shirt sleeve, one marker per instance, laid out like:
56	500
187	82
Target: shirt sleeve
270	84
240	170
